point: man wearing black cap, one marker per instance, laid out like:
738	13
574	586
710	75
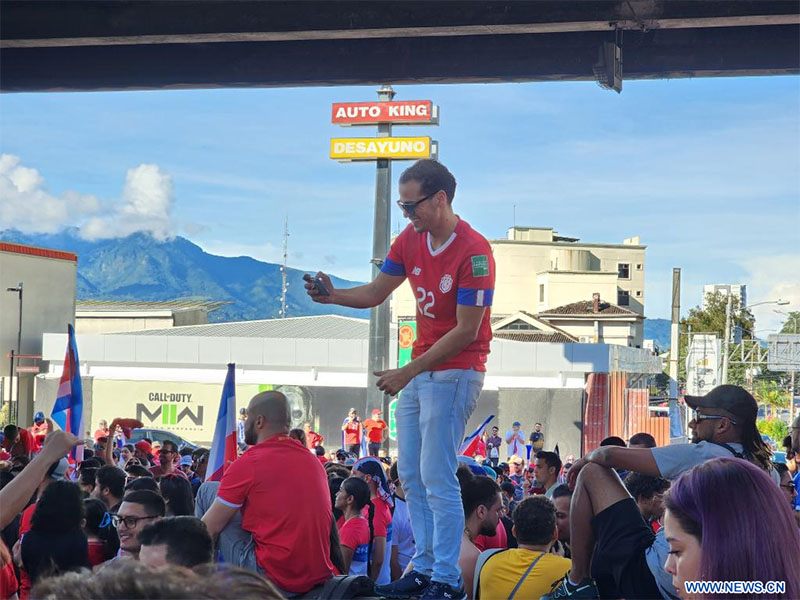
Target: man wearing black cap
605	521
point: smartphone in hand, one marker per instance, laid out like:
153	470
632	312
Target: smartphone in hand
318	285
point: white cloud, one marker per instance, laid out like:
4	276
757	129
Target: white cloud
146	205
26	205
770	278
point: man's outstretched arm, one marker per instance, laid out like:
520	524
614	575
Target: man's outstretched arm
362	296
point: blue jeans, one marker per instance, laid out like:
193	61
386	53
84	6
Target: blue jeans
432	413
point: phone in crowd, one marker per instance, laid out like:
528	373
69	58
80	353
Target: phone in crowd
318	285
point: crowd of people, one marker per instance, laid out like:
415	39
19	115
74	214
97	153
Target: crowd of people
287	519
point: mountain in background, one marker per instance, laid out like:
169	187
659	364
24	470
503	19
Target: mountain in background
658	330
139	267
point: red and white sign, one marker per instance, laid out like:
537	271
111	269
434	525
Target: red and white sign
370	113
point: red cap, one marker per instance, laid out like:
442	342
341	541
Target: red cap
376	411
144	447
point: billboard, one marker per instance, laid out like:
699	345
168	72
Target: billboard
398	148
703	364
407	112
784	352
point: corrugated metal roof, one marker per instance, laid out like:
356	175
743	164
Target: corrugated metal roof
585	307
122	305
314	327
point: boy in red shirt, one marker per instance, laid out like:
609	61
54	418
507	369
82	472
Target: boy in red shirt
18	441
376	429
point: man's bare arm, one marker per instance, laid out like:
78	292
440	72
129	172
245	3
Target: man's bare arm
362	296
218	516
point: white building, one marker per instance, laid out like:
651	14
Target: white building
172	378
738	290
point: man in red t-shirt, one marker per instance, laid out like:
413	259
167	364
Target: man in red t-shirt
282	493
313	439
18	441
353	430
101	431
451	271
376	429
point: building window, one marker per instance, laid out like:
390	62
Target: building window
541	292
639	267
638	293
623	298
624	270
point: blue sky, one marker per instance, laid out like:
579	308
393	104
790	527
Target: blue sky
706	171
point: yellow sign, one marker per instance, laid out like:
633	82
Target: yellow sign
384	147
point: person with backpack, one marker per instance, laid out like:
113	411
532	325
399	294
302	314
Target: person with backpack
356	532
529	570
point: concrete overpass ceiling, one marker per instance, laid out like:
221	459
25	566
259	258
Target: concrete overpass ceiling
117	45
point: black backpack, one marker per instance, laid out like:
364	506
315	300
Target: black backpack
345	587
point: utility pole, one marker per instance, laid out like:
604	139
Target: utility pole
14	372
284	284
379	315
674	344
727	342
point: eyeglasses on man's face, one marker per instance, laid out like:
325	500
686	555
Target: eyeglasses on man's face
410	208
130	522
696	416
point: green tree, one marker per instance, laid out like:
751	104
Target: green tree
792	324
771	395
712	320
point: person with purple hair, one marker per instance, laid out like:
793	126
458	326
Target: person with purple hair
614	552
763	546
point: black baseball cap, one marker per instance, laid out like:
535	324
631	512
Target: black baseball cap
731	398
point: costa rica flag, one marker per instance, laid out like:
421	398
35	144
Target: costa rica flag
470	444
223	448
68	409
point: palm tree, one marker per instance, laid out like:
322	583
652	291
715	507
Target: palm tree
770	394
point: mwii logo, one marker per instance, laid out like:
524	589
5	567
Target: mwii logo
169	414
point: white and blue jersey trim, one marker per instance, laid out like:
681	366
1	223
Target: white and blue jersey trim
473	297
392	268
226	503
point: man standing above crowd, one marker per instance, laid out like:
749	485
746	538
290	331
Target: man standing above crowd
537	438
451	270
493	443
353	430
376	429
313	439
515	440
101	431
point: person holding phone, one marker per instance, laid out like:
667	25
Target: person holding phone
353	430
451	271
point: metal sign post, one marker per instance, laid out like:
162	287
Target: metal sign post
382	149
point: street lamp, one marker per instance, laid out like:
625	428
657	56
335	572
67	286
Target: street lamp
18	290
728	318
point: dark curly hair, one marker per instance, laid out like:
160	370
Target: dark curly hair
644	486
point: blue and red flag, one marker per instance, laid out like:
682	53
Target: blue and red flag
470	444
223	447
68	409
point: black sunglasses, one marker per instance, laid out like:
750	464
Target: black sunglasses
410	208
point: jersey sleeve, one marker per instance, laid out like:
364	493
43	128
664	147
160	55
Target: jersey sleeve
476	278
351	535
236	483
394	264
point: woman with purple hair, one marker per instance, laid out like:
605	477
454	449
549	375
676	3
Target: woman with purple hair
726	520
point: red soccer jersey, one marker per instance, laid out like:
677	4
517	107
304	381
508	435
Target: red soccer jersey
375	429
461	271
25	445
284	498
352	433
